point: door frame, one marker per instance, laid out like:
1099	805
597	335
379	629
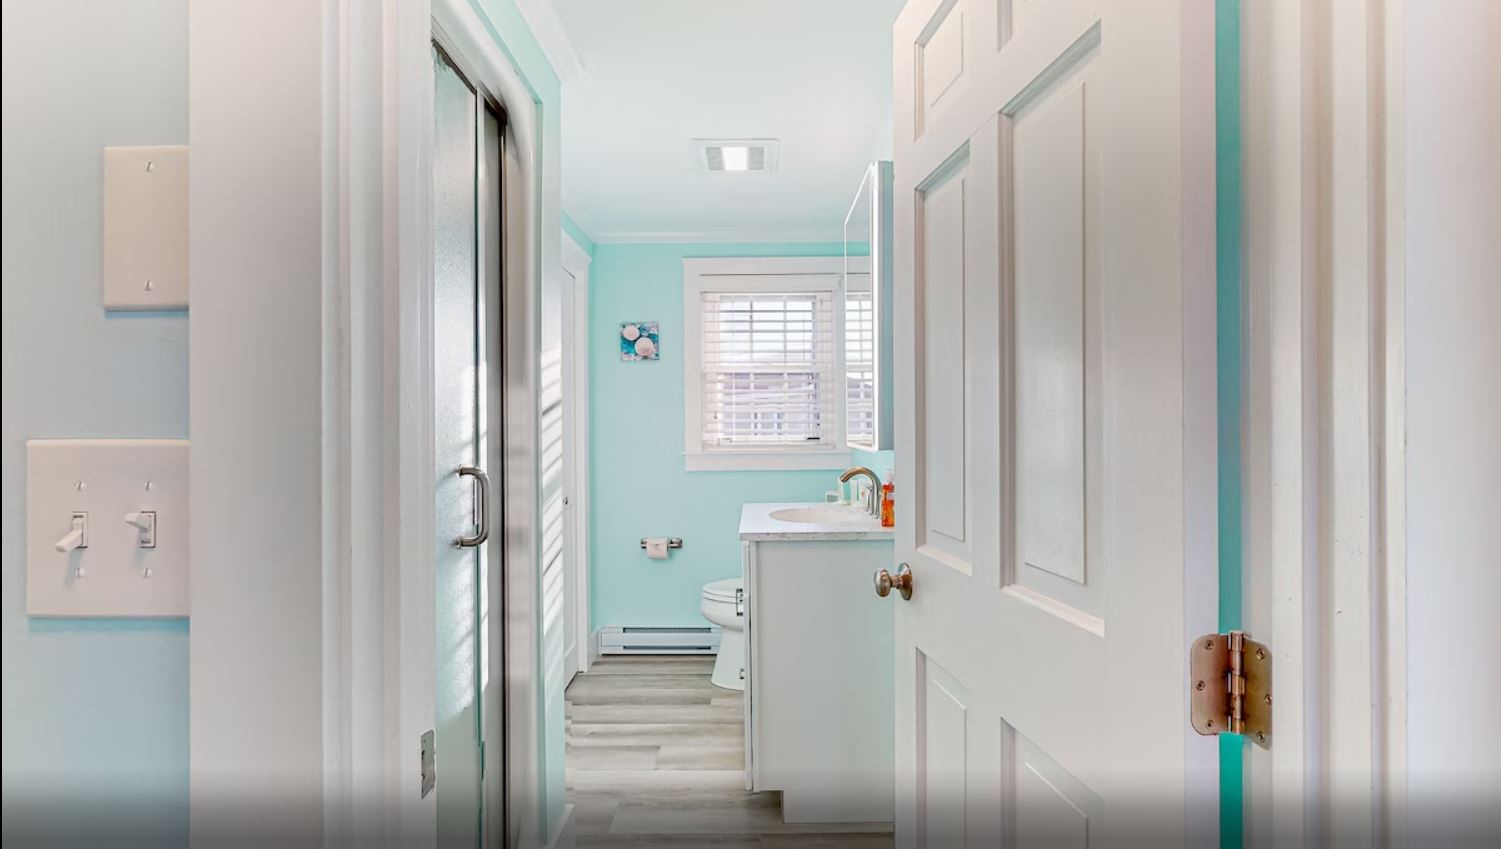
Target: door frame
379	644
576	262
1325	578
514	636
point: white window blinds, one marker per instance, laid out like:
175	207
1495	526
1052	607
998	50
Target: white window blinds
860	365
768	370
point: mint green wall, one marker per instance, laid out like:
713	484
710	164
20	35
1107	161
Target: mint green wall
1228	221
876	461
637	484
575	232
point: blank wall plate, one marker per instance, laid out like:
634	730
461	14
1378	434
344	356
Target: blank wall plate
105	480
146	228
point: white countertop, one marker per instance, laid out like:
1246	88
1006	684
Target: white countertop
757	524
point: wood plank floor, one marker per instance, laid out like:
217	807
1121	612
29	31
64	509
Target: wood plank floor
656	758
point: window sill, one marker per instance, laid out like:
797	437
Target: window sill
770	460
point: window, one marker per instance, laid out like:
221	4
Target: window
762	364
767	369
859	361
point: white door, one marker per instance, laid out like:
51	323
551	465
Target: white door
1055	420
466	275
575	452
568	531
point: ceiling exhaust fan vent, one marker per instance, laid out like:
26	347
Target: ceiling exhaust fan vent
737	156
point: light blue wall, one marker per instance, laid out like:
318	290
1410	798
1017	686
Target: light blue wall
877	461
1229	209
575	232
638	486
93	712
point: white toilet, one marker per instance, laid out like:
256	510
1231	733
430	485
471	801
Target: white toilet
724	605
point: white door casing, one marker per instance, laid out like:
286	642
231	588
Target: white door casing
1349	125
379	97
1055	420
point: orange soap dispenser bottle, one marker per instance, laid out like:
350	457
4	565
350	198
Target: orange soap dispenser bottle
888	501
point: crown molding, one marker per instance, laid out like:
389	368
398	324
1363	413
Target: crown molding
733	236
543	20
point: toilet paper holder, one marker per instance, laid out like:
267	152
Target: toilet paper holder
672	542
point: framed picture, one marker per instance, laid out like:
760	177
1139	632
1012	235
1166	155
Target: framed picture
639	341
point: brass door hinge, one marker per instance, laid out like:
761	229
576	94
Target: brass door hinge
1231	680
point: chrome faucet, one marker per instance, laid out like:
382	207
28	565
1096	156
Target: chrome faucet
873	496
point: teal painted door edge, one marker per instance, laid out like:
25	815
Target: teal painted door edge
1228	219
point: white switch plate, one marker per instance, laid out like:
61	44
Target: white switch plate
106	478
146	228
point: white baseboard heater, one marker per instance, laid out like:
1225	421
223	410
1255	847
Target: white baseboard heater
618	639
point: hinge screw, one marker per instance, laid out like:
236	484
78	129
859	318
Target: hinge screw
1209	645
1260	737
1199	686
1268	698
1209	723
1261	654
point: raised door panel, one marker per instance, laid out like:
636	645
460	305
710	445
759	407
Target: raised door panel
983	784
941	300
941	59
1052	176
943	759
1048	807
1049	337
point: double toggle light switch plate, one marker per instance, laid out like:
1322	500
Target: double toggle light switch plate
107	527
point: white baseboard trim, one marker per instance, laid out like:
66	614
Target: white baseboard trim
591	651
739	235
563	834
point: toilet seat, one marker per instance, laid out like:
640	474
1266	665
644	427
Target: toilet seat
727	591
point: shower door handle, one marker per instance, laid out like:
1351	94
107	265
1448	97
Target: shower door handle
482	507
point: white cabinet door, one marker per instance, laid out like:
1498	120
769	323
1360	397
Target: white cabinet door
1055	420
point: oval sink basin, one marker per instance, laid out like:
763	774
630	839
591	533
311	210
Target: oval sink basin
822	516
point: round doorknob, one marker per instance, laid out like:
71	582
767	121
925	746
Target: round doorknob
902	582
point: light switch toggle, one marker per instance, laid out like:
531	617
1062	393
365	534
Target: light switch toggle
77	536
145	521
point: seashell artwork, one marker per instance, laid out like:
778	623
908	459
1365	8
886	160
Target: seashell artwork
639	341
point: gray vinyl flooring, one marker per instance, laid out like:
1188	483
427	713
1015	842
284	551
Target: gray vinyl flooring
656	758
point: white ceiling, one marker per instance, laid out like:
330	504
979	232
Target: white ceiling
653	75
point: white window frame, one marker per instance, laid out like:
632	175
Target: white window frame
750	274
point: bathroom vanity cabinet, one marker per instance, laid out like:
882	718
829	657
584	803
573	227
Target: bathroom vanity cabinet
819	694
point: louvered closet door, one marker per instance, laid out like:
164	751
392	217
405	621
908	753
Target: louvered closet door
554	548
1054	323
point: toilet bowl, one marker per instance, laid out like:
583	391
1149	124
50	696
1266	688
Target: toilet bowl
724	605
